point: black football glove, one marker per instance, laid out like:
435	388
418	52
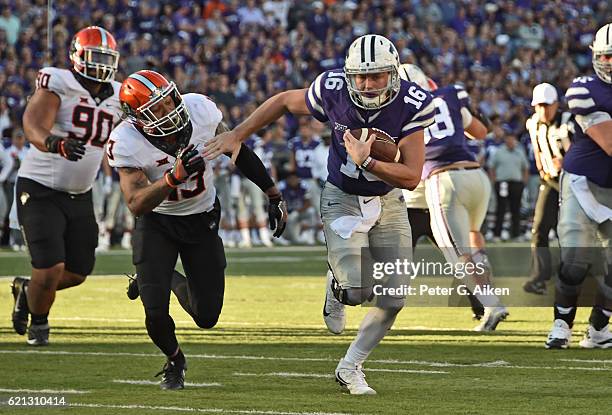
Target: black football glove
68	148
188	161
277	214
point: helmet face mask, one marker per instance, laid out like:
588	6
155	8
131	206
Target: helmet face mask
602	47
156	107
372	54
93	54
152	119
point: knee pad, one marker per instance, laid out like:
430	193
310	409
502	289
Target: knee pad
573	273
352	296
156	313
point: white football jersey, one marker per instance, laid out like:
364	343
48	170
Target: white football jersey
127	147
81	117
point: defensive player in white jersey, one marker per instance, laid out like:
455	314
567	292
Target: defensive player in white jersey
361	204
169	188
67	120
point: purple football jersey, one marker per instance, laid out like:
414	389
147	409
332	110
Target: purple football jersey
585	96
303	156
445	140
328	100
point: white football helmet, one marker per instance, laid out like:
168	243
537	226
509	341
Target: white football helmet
602	45
372	54
412	73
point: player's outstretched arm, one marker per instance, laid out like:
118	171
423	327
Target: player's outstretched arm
293	101
404	175
251	166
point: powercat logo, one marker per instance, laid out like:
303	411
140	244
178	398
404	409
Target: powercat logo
339	127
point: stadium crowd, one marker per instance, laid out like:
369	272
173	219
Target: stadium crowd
241	52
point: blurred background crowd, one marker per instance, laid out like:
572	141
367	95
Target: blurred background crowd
240	52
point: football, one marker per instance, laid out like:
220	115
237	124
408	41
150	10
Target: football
383	148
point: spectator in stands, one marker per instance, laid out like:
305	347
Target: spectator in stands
497	50
10	24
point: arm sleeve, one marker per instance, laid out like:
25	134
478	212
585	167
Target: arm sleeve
251	166
119	153
314	98
52	80
423	118
580	100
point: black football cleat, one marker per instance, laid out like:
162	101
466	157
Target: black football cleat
173	375
132	290
38	335
535	287
20	310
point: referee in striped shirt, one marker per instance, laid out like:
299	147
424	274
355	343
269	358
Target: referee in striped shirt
549	131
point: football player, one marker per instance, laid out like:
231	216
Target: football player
169	188
67	120
361	203
549	132
585	217
457	189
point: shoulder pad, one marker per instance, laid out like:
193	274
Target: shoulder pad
124	143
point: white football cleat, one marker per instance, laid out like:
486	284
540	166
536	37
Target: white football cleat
560	335
352	378
594	339
126	240
491	318
333	310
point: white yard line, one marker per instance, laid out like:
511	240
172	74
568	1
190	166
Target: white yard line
586	360
499	364
286	375
156	383
251	324
430	372
198	410
51	391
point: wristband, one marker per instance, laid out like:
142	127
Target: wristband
170	180
368	163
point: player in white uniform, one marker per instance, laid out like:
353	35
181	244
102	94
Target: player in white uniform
67	120
169	188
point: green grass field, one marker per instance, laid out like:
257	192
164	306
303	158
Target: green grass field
271	354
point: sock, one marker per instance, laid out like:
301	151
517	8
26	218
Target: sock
566	314
264	235
600	317
374	327
177	357
179	287
39	319
246	235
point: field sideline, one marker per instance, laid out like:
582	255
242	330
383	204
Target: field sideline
270	353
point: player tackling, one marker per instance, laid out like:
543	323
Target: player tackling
169	187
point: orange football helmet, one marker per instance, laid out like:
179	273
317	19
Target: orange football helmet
154	105
94	55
